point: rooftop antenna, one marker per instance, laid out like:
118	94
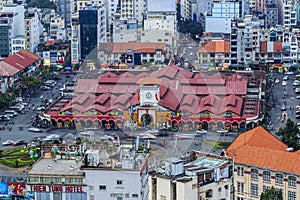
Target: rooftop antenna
176	146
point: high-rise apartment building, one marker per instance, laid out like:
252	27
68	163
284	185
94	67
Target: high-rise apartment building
33	29
92	21
11	26
219	20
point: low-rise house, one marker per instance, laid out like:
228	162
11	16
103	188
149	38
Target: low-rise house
262	161
194	175
22	63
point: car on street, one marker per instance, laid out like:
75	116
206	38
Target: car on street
44	87
52	138
296	82
222	131
285	78
19	142
283	107
86	133
7	143
201	132
4	118
298	97
297	90
41	108
284	83
289	73
57	78
297	116
152	131
277	81
11	113
36	130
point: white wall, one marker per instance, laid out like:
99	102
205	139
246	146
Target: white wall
218	25
131	183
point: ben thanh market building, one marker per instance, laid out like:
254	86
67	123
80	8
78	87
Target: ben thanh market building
168	97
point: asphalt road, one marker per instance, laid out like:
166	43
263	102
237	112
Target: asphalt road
22	120
278	92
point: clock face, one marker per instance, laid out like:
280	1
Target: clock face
148	95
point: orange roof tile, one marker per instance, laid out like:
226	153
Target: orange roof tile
277	47
263	47
218	46
149	80
258	147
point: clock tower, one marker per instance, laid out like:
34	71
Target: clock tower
149	91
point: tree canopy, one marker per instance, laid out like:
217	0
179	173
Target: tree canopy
271	194
289	134
31	82
41	4
188	26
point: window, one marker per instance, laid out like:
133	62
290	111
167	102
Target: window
254	173
119	182
292	181
279	178
102	187
266	188
135	195
267	176
163	197
209	193
254	189
291	195
240	187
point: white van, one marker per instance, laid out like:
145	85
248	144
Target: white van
11	112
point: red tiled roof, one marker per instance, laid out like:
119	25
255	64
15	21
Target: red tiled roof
171	99
278	47
189	103
86	85
17	62
258	147
149	80
231	103
218	46
176	92
122	99
210	103
172	72
7	70
101	99
263	47
50	42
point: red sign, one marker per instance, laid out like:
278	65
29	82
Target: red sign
56	188
15	188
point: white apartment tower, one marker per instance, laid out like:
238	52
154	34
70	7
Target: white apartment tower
130	9
11	29
75	39
186	9
219	20
33	29
160	22
5	2
289	13
57	28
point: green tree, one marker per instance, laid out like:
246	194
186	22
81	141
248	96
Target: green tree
41	4
5	99
271	194
289	134
31	82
